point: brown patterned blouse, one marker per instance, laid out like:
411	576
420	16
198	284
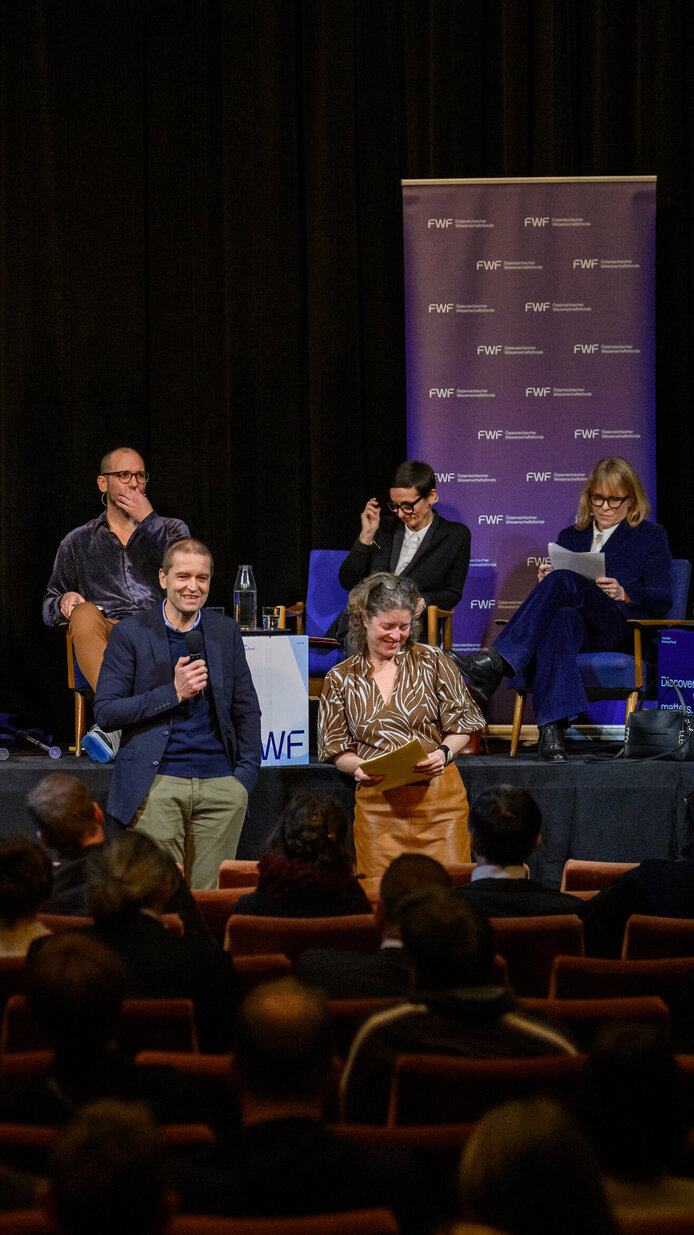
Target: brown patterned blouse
429	700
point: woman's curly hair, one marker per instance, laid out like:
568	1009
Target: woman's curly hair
312	828
380	593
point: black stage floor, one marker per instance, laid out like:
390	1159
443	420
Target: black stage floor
598	809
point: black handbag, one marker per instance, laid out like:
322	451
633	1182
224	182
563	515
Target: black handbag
660	733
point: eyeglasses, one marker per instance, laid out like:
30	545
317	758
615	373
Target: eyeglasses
399	584
405	507
126	477
614	503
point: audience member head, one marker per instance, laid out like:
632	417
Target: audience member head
449	943
504	825
108	1173
529	1170
74	989
129	874
186	545
378	594
408	873
635	1106
312	828
66	816
25	879
283	1044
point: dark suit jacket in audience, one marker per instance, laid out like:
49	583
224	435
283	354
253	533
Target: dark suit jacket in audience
525	898
352	975
294	1166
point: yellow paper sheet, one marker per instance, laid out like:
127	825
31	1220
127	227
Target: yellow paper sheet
396	767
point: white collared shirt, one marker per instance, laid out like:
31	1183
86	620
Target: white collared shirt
410	545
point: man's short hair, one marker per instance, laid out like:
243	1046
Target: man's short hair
63	809
505	824
105	465
186	545
26	878
74	989
408	873
449	942
108	1172
283	1041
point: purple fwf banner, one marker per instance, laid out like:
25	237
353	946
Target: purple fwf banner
530	321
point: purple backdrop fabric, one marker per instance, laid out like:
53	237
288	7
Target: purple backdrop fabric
530	320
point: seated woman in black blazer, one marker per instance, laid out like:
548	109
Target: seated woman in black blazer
430	550
306	871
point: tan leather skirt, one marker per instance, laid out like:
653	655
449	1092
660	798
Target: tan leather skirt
430	818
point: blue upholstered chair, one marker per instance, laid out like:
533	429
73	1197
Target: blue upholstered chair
619	675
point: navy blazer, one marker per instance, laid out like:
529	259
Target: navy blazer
637	557
136	693
439	567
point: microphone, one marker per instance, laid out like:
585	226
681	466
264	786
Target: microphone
194	646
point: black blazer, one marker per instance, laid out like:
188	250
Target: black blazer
352	975
439	567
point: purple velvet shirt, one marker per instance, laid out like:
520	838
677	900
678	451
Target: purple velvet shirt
122	579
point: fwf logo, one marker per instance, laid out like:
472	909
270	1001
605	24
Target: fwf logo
484	264
489	435
481	604
488	349
586	434
537	476
585	263
536	306
441	308
490	519
295	738
441	392
439	223
536	561
537	392
585	349
532	220
444	477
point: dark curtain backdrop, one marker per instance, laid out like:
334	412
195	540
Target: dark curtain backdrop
201	252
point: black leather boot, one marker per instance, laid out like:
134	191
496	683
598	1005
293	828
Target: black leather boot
552	749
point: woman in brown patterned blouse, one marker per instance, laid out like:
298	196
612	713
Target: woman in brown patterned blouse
392	690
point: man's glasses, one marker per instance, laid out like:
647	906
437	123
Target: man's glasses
614	503
126	477
405	507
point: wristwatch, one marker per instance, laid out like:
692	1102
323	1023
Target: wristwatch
447	752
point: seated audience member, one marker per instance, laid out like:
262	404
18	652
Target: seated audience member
25	881
283	1160
505	824
306	871
69	821
528	1170
129	887
353	975
455	1008
637	1111
74	988
658	886
108	1173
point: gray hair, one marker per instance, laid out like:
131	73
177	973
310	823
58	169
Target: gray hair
381	593
127	876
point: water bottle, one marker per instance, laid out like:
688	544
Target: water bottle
246	599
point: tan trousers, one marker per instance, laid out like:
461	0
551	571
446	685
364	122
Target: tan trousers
429	818
90	632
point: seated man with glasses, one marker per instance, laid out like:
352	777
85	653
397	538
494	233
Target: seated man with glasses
108	569
432	551
567	614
